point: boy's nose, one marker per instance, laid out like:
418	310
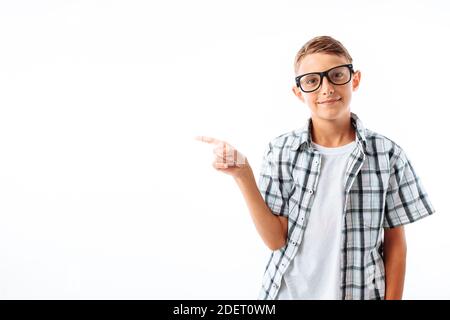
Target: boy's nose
326	86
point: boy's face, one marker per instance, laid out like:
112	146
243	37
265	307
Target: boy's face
338	95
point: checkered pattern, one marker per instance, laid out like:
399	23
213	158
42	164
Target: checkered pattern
381	191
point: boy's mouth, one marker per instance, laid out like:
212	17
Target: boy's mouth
329	101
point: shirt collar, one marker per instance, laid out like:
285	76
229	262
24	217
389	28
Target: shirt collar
303	136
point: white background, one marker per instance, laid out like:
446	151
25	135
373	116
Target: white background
104	194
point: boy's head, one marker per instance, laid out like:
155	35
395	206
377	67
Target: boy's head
327	100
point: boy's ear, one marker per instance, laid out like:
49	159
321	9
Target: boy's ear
356	80
298	93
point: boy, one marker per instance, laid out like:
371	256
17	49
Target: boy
333	196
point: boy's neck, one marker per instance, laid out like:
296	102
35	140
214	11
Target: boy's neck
333	133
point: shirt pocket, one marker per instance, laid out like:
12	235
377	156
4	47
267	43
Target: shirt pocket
364	210
372	227
371	219
369	194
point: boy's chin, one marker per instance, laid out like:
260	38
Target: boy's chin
331	114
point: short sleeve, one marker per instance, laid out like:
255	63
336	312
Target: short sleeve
270	184
406	198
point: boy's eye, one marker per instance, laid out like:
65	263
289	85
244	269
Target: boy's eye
337	75
311	81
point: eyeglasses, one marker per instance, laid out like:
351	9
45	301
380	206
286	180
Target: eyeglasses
339	75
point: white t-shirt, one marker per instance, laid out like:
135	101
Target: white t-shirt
314	272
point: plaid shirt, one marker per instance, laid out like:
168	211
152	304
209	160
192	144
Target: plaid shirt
382	190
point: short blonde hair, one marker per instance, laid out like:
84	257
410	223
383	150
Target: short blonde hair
321	44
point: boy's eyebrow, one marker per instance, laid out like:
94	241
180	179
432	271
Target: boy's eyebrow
338	65
321	71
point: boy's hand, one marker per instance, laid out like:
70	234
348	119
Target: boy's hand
227	158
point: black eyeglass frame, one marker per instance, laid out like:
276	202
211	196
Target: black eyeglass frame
324	74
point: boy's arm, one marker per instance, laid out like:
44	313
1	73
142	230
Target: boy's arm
394	262
272	228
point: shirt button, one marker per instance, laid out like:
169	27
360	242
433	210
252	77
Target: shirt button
310	191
